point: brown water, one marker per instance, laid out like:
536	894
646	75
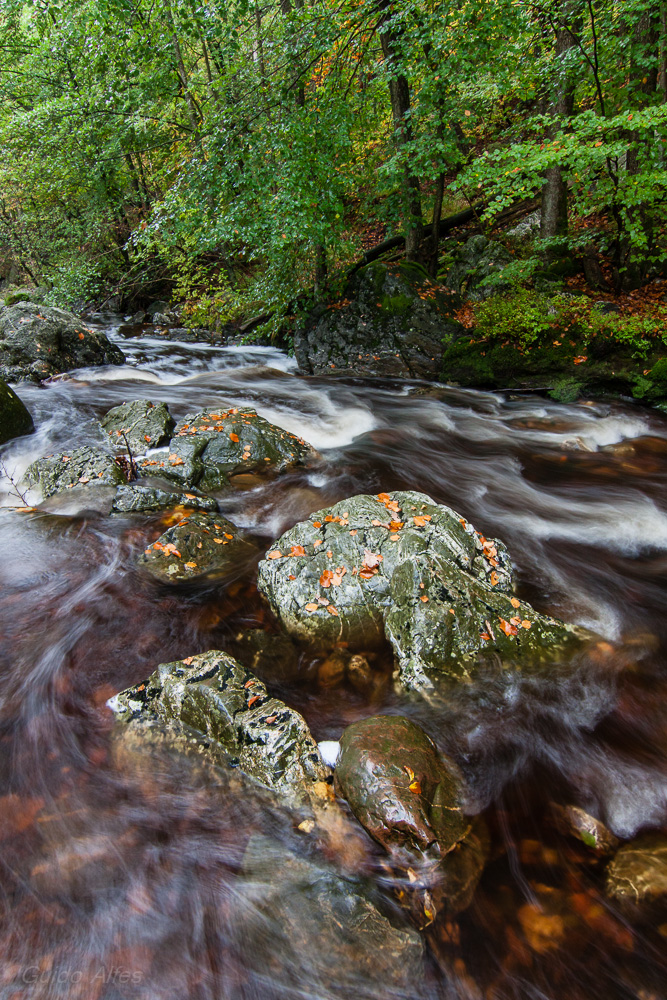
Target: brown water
121	880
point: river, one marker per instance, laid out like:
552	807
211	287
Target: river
118	882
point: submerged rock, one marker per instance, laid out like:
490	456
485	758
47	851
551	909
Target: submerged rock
319	934
392	321
209	446
638	873
15	419
199	544
215	698
143	423
586	828
85	466
37	342
401	565
266	654
410	799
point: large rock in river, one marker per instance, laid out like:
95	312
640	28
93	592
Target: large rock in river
403	566
37	342
209	446
14	417
214	697
391	321
83	466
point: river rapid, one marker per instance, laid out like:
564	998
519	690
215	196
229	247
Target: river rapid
125	881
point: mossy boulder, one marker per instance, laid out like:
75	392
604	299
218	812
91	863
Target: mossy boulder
410	799
401	566
200	544
213	697
84	466
37	342
15	419
145	425
391	321
209	446
478	260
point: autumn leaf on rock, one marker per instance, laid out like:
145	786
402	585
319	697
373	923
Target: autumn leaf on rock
234	437
332	610
326	578
276	554
311	606
298	550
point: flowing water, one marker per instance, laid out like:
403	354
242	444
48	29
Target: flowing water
122	880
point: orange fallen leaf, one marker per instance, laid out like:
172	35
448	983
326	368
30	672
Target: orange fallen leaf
326	578
525	623
234	437
317	524
311	606
298	550
271	718
253	701
332	610
276	554
415	787
515	602
191	565
507	628
318	541
494	579
424	598
580	360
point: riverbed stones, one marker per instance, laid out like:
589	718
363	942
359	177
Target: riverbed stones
37	342
145	425
401	566
410	799
392	321
15	419
316	933
209	446
217	699
83	466
638	873
198	544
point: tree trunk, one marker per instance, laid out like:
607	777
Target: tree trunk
399	94
554	192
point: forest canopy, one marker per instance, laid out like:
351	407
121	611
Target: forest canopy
253	150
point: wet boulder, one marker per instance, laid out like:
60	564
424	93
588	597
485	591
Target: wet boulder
214	697
83	466
145	497
592	832
391	321
410	799
144	424
37	342
14	417
268	655
638	873
316	933
401	566
209	446
200	544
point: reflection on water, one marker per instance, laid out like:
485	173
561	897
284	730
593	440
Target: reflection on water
125	868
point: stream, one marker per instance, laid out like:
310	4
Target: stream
121	881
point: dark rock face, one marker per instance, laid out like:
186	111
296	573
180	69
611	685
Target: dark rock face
37	342
391	322
477	260
214	697
14	417
199	544
144	424
402	566
139	498
209	446
638	873
85	466
317	934
410	799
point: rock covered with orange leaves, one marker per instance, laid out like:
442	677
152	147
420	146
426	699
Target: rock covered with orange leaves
209	446
400	566
199	544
